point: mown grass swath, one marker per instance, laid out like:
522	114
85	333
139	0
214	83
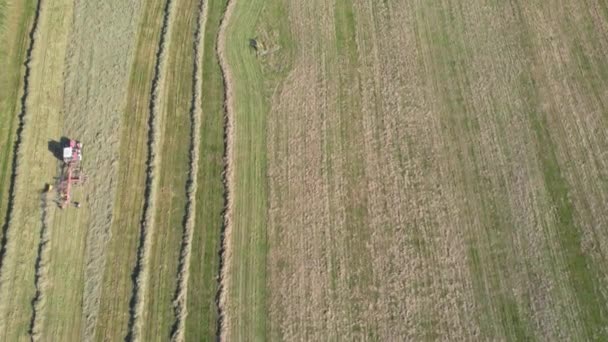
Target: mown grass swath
141	270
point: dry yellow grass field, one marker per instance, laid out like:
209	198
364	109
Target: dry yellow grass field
436	171
306	170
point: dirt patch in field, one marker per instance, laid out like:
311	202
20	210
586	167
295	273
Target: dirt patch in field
99	58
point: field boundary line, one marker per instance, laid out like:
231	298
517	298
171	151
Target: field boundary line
225	252
141	270
19	135
181	293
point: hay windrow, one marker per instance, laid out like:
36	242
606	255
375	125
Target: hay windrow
41	271
99	60
21	117
227	176
141	270
181	294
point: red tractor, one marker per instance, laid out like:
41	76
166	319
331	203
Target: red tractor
71	171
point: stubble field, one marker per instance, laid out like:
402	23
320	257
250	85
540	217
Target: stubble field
306	170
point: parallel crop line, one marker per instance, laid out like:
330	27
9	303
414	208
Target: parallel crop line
142	268
19	133
181	293
227	176
41	272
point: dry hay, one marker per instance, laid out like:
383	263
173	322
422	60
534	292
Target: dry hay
410	167
43	97
99	58
155	122
19	132
41	270
227	177
181	294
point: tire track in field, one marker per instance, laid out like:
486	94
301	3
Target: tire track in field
19	133
181	292
227	175
41	271
141	271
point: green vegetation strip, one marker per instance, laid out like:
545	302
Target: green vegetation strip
14	40
171	171
244	275
582	272
202	289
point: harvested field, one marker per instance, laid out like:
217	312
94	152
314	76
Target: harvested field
100	52
14	43
80	288
35	166
422	174
305	170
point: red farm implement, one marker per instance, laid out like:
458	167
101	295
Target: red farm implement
71	173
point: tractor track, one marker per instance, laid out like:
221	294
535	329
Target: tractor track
140	272
183	274
227	176
41	271
19	132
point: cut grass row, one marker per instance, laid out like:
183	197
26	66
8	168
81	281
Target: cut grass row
112	323
180	300
42	121
154	157
202	287
14	40
41	271
100	54
172	170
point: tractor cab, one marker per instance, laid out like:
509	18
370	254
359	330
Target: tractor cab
72	151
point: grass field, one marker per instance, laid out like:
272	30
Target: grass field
305	170
426	173
14	32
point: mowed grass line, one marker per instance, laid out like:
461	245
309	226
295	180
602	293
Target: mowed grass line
122	249
172	173
244	288
14	40
180	299
156	122
201	323
42	122
64	298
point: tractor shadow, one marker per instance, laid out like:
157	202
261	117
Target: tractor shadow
56	147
